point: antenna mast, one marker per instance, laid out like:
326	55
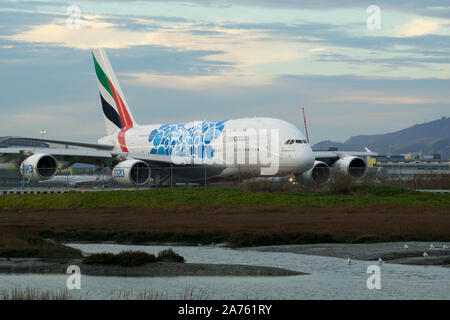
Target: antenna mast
306	128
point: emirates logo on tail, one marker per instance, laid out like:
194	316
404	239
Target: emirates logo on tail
115	108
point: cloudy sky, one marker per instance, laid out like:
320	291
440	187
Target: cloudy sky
213	60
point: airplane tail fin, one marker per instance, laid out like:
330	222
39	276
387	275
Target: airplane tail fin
115	108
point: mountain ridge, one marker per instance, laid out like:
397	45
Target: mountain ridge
429	137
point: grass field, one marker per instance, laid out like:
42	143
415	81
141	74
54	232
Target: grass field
162	198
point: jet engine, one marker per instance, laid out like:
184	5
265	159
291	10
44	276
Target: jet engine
354	166
319	173
131	173
39	167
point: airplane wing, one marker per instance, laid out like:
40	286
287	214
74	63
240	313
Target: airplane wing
70	143
331	156
89	156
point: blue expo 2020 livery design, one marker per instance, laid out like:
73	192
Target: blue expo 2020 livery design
181	140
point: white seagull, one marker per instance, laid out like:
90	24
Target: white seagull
380	261
445	247
405	246
431	246
425	254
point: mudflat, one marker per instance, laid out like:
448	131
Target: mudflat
391	252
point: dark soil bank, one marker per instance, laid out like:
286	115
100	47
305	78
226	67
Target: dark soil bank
158	269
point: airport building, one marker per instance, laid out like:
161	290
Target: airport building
407	166
410	169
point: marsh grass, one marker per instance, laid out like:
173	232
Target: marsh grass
169	255
33	294
196	294
423	181
20	243
132	258
340	183
19	293
189	293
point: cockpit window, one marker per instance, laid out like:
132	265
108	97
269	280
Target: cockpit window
292	141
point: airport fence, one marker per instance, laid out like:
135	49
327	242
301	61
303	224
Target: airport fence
205	176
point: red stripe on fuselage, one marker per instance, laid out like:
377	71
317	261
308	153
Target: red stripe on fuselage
121	138
124	116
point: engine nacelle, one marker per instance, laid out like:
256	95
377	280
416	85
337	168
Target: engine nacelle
319	173
354	166
39	167
131	173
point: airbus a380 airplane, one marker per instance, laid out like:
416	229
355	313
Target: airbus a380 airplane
224	148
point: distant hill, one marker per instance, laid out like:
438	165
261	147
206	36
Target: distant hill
431	137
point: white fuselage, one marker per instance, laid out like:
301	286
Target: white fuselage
234	146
